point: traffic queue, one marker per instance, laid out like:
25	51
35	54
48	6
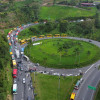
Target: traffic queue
12	40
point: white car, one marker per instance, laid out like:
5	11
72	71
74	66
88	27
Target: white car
56	74
24	80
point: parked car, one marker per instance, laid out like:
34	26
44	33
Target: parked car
24	80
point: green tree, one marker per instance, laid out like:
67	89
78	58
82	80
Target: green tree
97	20
11	1
98	6
60	51
77	51
36	10
54	2
63	26
49	26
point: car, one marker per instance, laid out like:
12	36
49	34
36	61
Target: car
90	40
15	47
23	80
19	65
81	80
36	64
12	57
15	81
21	68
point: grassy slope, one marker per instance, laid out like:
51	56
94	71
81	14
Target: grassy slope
9	84
49	50
97	96
57	12
46	87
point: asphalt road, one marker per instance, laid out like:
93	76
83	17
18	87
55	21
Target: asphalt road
91	75
24	89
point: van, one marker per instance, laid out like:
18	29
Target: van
29	98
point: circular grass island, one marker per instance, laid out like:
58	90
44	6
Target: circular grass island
62	53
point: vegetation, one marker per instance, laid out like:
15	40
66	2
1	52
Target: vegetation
48	87
63	53
61	12
5	69
97	97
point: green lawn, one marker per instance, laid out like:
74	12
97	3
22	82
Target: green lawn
47	87
58	12
48	54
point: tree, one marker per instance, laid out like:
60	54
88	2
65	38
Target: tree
36	10
98	6
41	27
54	2
11	2
88	52
97	20
63	26
85	27
49	26
77	51
60	50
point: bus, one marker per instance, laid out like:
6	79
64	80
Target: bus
14	88
57	35
77	85
63	35
34	37
27	40
72	96
14	73
41	36
22	42
49	35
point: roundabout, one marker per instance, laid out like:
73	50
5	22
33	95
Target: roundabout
62	53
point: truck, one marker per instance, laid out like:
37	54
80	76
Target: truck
72	96
14	88
17	53
22	50
77	85
14	73
14	62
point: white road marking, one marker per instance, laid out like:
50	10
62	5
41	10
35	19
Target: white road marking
89	68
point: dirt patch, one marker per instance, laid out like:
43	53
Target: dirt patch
9	97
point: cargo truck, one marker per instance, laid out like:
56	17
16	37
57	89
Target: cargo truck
17	53
72	96
14	73
14	88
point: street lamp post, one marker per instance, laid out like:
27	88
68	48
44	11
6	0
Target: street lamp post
59	88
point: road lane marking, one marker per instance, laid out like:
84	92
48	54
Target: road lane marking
89	68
